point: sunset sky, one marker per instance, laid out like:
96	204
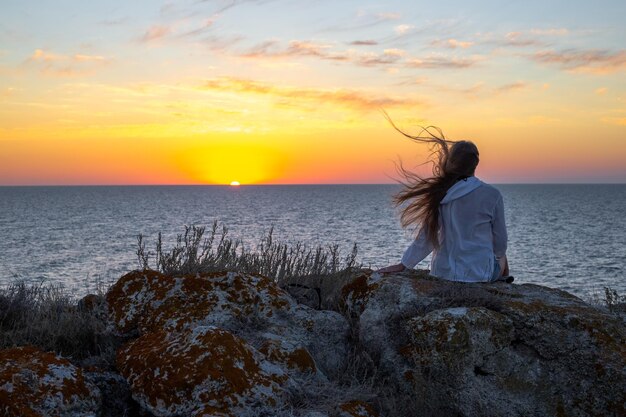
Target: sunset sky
291	91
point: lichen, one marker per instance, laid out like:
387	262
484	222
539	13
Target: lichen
203	368
35	383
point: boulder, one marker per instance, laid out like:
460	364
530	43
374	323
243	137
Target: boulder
199	372
491	349
35	383
244	304
116	396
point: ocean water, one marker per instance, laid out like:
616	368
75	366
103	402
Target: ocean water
567	236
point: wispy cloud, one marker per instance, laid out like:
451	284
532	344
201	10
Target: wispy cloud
351	99
593	61
365	20
452	43
482	90
442	62
535	37
550	31
368	42
389	16
156	32
295	48
179	29
507	88
403	29
521	39
114	22
61	65
273	49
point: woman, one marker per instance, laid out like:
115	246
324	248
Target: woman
458	217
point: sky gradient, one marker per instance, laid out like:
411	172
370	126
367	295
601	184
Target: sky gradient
291	91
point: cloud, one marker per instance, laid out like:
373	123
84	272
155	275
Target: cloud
114	22
441	62
472	91
156	32
389	16
452	44
413	81
601	91
365	20
204	26
520	39
480	89
394	52
402	29
550	32
89	58
364	43
592	61
526	38
60	65
351	99
272	49
298	48
506	88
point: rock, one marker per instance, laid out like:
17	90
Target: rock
36	383
289	355
228	343
91	302
491	349
322	292
356	409
199	372
245	304
134	295
116	396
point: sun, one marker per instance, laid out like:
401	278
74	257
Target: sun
235	184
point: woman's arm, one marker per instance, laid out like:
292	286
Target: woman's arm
500	237
499	230
418	250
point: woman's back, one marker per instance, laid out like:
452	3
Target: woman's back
472	232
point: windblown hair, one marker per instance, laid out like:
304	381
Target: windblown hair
452	161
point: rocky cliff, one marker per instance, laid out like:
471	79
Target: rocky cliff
233	344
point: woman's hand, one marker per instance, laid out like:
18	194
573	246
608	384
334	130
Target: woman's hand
392	268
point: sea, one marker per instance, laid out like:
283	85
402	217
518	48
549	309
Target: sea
571	237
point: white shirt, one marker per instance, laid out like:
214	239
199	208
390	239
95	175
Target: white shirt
472	231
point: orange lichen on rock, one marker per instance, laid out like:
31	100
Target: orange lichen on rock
196	370
356	293
36	383
356	409
288	354
150	301
451	335
133	295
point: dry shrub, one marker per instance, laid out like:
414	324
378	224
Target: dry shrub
195	253
46	316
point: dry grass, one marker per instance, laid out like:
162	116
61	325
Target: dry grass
614	301
194	253
46	316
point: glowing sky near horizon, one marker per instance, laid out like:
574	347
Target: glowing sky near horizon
291	91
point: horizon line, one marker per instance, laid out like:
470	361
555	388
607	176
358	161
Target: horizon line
289	184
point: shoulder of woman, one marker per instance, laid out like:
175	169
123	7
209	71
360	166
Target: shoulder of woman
490	190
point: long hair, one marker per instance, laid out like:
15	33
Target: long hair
451	162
